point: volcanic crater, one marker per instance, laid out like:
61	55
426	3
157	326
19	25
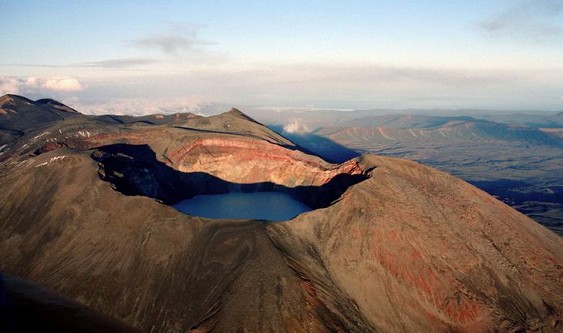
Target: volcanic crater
408	248
215	166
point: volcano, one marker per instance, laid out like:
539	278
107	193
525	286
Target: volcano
390	245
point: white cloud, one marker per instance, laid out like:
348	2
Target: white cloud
140	106
331	86
39	85
296	125
9	85
64	84
31	82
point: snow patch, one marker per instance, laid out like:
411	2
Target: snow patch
35	138
84	133
51	160
57	158
4	149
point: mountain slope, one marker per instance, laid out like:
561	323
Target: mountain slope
34	309
19	115
419	250
393	245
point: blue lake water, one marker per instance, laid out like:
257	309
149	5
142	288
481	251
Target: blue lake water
270	206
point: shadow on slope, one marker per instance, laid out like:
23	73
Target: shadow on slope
318	145
26	307
135	170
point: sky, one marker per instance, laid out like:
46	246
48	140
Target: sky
137	57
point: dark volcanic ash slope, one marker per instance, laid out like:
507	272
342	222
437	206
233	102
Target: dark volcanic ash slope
407	248
19	115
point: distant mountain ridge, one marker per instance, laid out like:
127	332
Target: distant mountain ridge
455	128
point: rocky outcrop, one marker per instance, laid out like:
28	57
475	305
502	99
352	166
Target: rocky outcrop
252	161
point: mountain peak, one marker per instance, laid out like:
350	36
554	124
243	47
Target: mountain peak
234	112
20	115
11	100
12	97
56	104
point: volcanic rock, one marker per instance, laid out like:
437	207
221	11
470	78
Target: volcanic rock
391	246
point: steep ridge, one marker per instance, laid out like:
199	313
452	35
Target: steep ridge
403	248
